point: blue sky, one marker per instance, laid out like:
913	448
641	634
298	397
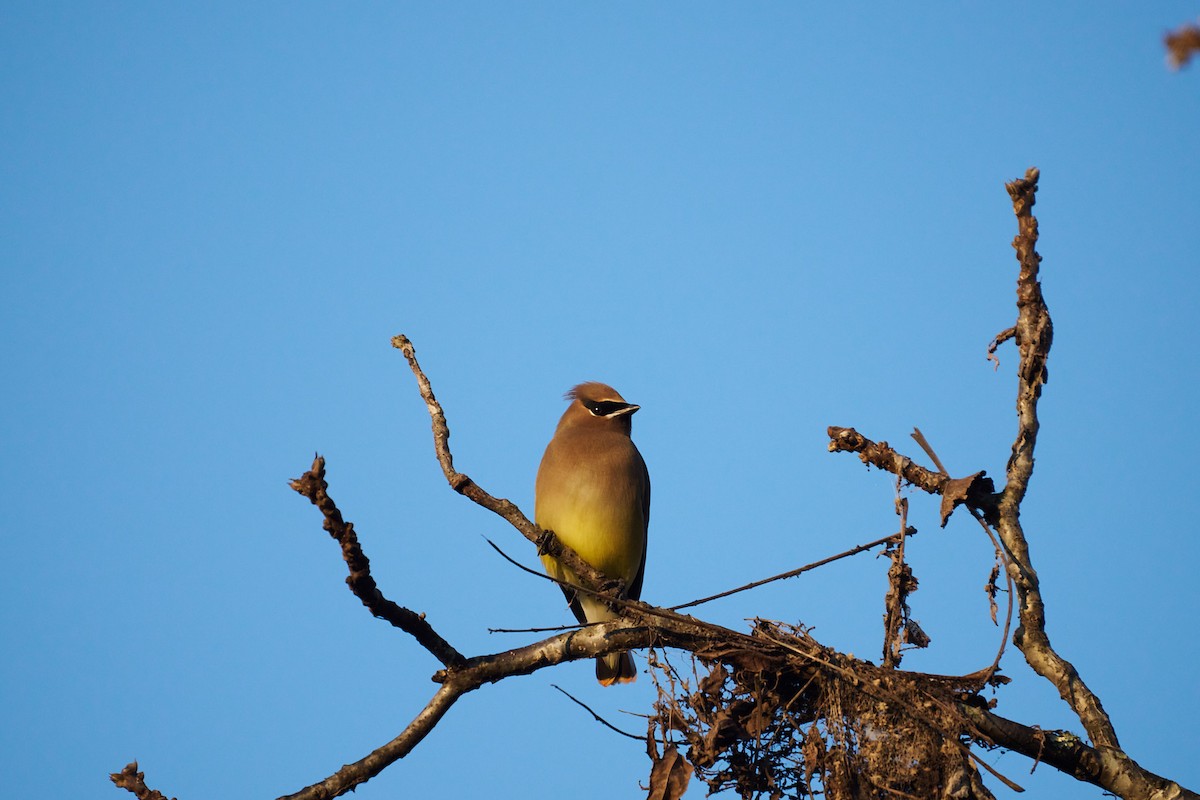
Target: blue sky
755	221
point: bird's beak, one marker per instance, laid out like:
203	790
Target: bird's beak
629	409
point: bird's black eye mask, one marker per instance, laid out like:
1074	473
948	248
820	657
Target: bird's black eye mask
604	408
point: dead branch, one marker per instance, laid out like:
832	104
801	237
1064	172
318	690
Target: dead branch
313	486
1034	335
991	588
768	654
1107	768
881	455
135	782
974	490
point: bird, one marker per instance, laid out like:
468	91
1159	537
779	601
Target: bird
593	492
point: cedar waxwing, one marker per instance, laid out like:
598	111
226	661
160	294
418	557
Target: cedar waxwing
593	491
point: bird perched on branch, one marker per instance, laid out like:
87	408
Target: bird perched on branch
593	491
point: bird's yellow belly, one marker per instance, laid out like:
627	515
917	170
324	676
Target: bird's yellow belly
608	535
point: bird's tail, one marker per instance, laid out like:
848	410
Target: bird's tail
615	668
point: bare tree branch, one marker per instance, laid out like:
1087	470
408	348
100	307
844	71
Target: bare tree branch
1034	334
313	486
1109	769
974	490
794	660
595	716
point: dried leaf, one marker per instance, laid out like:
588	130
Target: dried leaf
992	588
914	635
669	776
711	684
760	719
957	491
726	726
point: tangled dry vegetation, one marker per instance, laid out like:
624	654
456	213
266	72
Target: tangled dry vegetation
793	718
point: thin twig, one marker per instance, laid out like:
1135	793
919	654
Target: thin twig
1008	615
596	716
550	629
928	448
616	601
1001	337
794	572
524	568
1009	783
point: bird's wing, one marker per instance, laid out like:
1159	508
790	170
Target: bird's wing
635	588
